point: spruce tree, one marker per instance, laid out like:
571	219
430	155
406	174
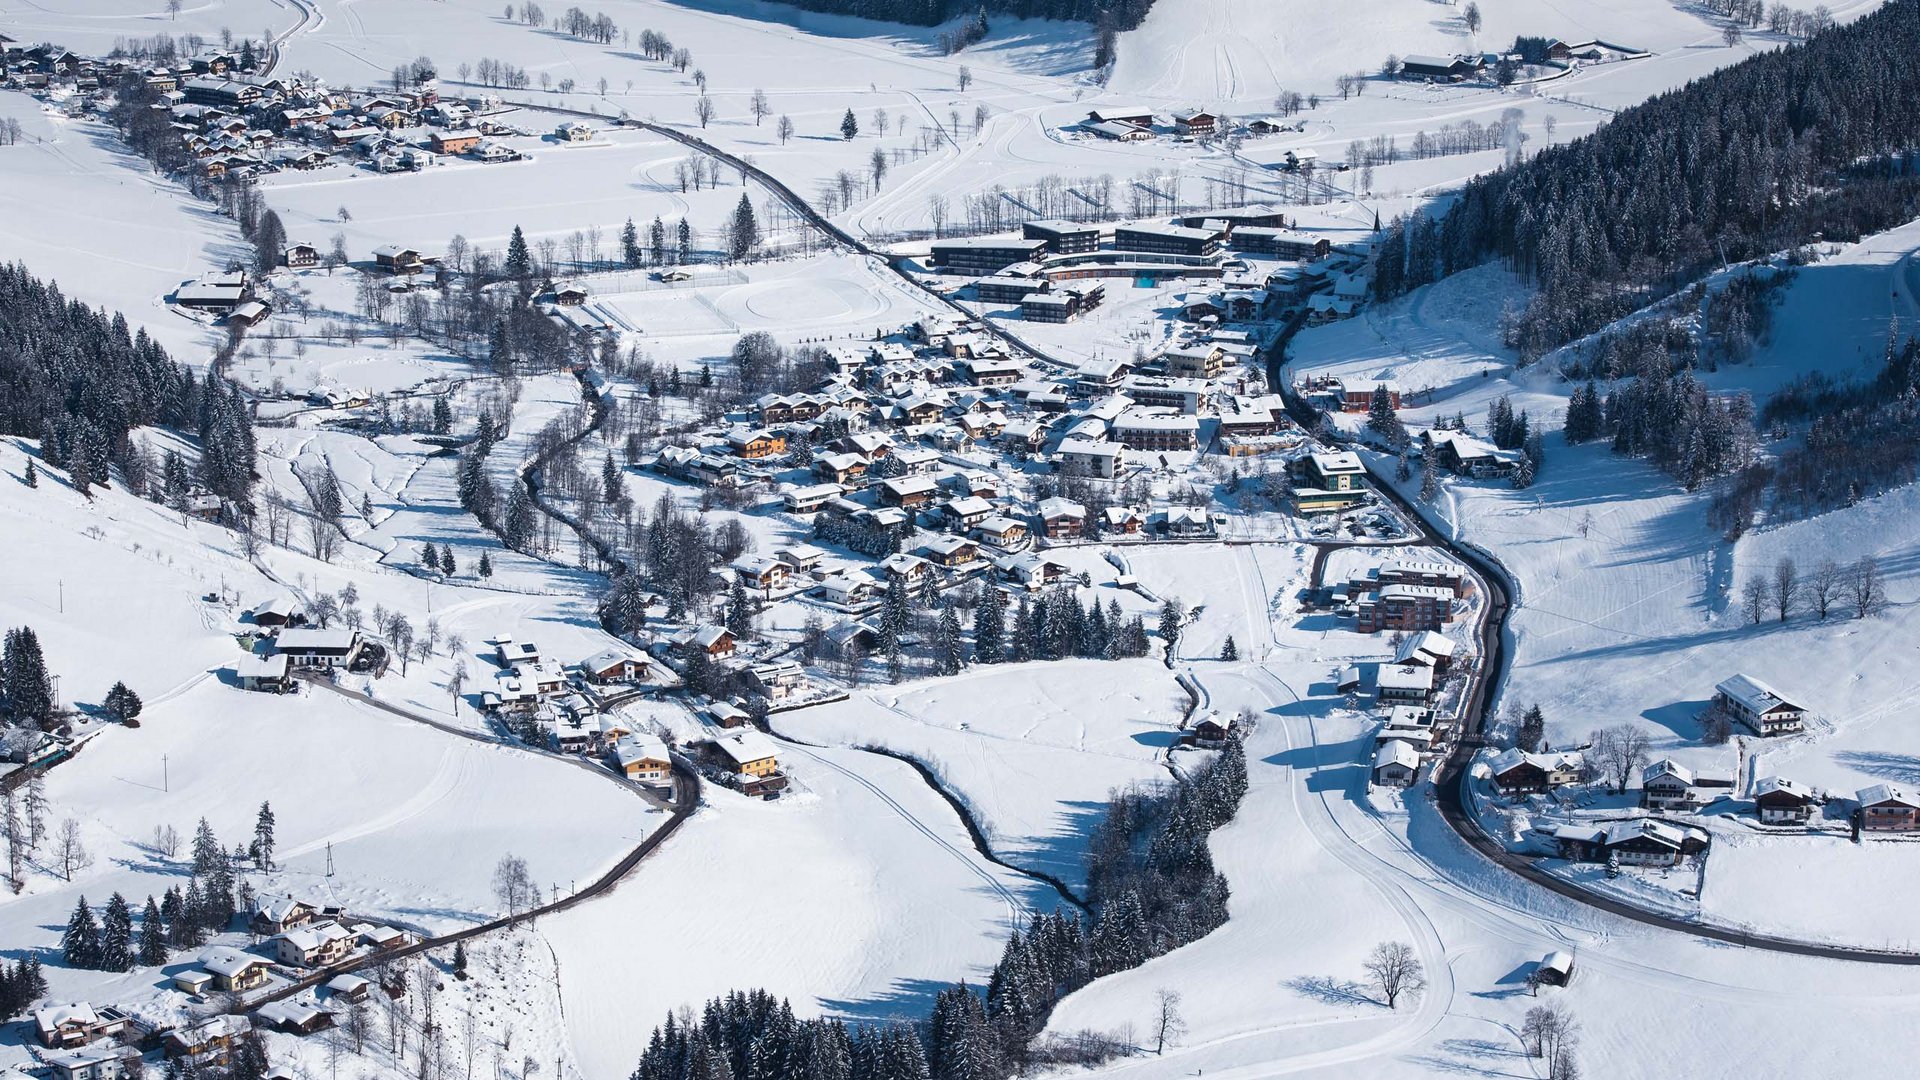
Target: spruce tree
122	704
23	677
744	236
1172	619
519	264
950	650
80	945
1228	650
447	565
153	936
32	476
683	249
630	251
485	566
849	125
116	935
261	850
990	626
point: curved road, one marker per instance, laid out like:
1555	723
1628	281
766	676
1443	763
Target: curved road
1451	784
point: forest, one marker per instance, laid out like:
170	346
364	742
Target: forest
1116	14
1807	141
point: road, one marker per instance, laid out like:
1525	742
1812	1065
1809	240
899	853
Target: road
1452	785
686	799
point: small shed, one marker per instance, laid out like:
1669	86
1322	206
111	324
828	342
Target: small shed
1556	969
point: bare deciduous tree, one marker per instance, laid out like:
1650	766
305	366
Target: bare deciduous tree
1865	591
1395	972
71	849
1168	1025
1824	587
1786	588
1754	597
513	884
1617	751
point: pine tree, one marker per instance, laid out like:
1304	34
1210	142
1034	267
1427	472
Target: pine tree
683	249
744	235
739	611
122	704
1172	619
1533	728
153	936
32	476
657	241
447	565
207	852
1228	650
1429	479
849	125
612	480
990	626
630	251
269	242
429	557
485	567
80	945
1381	419
116	935
951	650
261	850
24	681
519	264
896	613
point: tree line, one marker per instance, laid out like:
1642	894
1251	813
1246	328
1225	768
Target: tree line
1760	156
1152	888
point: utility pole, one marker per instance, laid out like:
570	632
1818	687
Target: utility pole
166	784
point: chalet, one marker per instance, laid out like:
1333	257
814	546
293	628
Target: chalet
778	681
1186	522
643	757
1396	764
214	293
613	666
950	551
715	641
1003	533
300	256
63	1027
294	1017
1516	772
848	589
1212	731
908	492
839	468
208	1042
908	568
1464	455
1428	648
1887	808
919	409
1084	457
1651	842
570	295
760	572
1404	683
348	987
1751	702
1063	519
871	445
398	260
1122	114
755	444
1668	785
1032	571
276	612
573	131
311	649
233	970
268	674
1122	520
315	944
453	142
967	511
279	914
542	680
810	498
1195	123
106	1061
801	558
384	938
751	754
990	371
917	460
1408	608
493	152
1780	801
1194	361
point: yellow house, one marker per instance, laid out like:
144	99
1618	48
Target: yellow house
643	757
752	754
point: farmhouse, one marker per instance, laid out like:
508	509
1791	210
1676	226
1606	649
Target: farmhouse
643	757
1780	801
278	914
299	256
1516	772
1195	123
715	641
265	673
751	753
1136	115
318	649
1755	704
1887	808
294	1017
208	1041
1465	455
1427	648
1440	68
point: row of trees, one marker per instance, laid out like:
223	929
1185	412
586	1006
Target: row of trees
1152	889
1107	15
1804	140
1857	589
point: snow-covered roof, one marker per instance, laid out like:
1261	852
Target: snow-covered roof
253	666
1405	677
1780	785
312	639
227	961
747	747
1057	508
1666	768
607	658
1426	644
53	1017
639	747
1753	694
1340	463
1885	794
278	909
316	935
347	984
1396	752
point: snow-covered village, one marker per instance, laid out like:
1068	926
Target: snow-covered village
958	539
